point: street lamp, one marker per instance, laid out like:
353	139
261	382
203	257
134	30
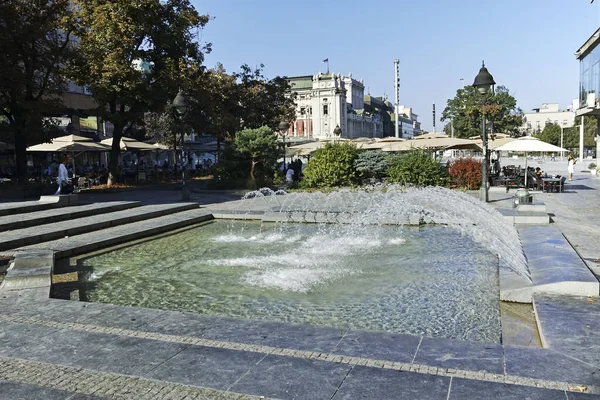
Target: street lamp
483	82
180	107
283	128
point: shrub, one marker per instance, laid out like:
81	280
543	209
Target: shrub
371	164
416	167
465	173
591	166
332	165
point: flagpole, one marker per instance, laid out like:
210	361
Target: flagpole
328	66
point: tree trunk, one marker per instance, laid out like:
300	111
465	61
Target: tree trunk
175	155
115	151
252	169
21	155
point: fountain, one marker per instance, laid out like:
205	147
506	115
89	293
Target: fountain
420	261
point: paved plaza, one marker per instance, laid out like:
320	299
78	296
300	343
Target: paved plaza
59	349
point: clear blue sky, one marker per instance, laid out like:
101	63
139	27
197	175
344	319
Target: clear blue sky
527	45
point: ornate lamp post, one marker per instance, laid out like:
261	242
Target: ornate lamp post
483	83
180	107
283	128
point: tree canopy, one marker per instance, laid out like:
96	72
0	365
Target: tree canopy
260	144
36	43
466	108
135	56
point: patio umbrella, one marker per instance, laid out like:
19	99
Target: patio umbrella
129	144
309	148
70	143
528	144
437	142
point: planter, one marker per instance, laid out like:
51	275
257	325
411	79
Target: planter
594	172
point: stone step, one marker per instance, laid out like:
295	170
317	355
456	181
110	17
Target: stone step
21	207
555	268
519	217
30	270
96	240
569	325
34	218
44	233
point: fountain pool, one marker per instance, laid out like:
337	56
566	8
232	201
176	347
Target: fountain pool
429	280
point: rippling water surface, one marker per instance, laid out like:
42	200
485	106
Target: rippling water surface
428	280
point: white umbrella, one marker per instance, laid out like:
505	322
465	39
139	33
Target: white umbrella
129	144
73	143
529	144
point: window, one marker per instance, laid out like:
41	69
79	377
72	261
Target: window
325	109
565	122
302	110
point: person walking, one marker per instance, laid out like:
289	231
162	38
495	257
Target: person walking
63	175
571	167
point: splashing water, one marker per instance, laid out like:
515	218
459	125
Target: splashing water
347	215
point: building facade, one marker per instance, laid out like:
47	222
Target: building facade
548	113
326	101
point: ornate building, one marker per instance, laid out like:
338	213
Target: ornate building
325	101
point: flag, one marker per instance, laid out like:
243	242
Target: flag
326	60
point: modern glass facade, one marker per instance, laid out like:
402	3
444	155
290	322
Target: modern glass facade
589	76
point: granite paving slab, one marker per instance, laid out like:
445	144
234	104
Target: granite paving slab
124	316
379	345
130	356
21	391
69	311
88	242
550	365
207	367
481	390
292	378
19	221
14	335
582	396
460	354
570	325
373	383
305	337
47	232
60	347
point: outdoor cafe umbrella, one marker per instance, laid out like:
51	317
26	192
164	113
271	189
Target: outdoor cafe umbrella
129	144
70	143
529	144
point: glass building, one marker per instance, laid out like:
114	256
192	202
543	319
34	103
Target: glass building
589	71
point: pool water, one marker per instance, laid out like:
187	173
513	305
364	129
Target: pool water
429	280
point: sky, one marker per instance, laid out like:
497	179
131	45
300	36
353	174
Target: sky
528	45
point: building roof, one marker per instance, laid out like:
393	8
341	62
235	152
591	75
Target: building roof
589	45
300	82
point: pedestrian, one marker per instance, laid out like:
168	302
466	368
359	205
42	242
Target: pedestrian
571	166
63	177
289	176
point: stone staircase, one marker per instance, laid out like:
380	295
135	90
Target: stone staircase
52	229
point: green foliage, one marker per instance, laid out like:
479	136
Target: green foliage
371	164
550	134
465	173
114	36
36	43
332	165
501	109
416	167
261	145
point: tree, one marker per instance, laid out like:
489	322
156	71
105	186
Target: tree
135	56
417	167
36	44
466	108
260	144
550	134
372	164
332	165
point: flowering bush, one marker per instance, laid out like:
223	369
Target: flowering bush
465	173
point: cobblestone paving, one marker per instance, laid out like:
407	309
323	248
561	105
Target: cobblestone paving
328	357
105	385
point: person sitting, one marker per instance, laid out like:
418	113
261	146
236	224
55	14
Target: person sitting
539	173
